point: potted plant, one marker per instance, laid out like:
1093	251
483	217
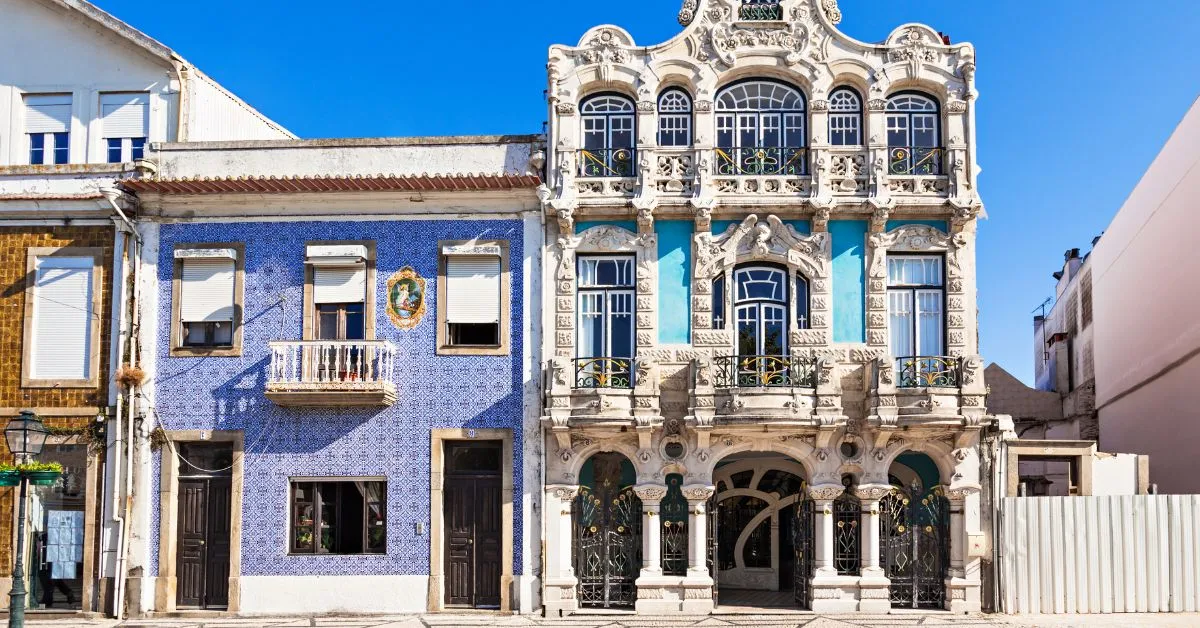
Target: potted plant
41	473
9	476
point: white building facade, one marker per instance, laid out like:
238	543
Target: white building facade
762	379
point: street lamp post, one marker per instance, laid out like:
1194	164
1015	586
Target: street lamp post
26	436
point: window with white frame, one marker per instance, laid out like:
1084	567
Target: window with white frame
913	135
916	314
206	297
63	311
607	292
674	118
608	124
761	129
845	118
125	125
48	128
760	305
473	295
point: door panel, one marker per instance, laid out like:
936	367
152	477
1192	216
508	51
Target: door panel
219	530
192	553
460	541
487	542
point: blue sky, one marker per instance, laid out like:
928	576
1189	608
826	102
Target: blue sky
1077	96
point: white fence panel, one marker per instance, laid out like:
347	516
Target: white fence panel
1108	554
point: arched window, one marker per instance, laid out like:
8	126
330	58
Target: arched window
761	130
847	536
608	136
760	308
674	118
845	118
914	135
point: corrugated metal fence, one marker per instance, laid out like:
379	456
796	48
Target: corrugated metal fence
1124	554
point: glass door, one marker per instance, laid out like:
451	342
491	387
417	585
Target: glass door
55	533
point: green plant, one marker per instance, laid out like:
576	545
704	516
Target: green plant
7	468
34	467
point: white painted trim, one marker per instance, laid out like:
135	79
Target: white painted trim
294	595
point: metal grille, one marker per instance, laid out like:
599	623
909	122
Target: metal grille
914	547
847	517
674	515
607	538
711	541
803	542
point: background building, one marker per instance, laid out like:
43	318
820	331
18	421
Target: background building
762	382
82	95
340	376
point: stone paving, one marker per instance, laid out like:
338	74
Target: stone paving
789	619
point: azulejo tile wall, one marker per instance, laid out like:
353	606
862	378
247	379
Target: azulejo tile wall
226	393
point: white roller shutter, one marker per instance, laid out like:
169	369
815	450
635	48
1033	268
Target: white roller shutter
48	113
125	115
472	289
340	284
62	318
206	290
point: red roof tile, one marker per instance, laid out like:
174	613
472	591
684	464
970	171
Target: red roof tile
357	183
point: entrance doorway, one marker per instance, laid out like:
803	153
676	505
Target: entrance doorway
607	533
472	515
205	518
761	533
914	534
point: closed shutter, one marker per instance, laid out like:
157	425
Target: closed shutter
339	284
472	289
125	115
48	114
62	318
206	291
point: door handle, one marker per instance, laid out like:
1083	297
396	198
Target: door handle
202	542
470	541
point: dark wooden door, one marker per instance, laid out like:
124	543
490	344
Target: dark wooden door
203	554
473	544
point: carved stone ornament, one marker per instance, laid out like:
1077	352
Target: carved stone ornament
650	493
687	12
872	492
769	240
564	493
914	238
698	493
831	11
826	492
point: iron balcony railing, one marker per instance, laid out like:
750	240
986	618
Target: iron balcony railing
928	371
603	372
915	160
764	371
606	162
334	362
761	160
760	10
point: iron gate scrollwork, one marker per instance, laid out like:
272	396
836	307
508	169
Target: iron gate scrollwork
915	546
674	515
803	541
711	516
607	538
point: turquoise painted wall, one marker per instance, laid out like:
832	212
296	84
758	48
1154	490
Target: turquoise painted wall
804	227
674	280
849	279
938	224
923	466
588	224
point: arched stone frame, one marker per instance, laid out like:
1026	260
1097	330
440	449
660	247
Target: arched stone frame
959	271
763	241
605	240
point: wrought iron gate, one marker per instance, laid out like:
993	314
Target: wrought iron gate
712	516
803	543
915	546
607	538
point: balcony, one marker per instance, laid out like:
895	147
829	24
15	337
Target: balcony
761	170
593	373
601	392
752	390
917	170
927	389
607	171
329	373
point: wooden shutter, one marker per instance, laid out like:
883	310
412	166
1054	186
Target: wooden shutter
125	115
340	284
472	289
206	290
48	113
62	318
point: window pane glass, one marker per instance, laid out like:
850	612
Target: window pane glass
114	150
222	333
137	148
900	323
327	495
929	307
801	302
327	319
718	303
355	322
61	148
621	324
194	334
725	131
774	328
747	322
37	148
591	323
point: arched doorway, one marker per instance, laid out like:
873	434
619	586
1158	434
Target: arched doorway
607	533
761	530
914	531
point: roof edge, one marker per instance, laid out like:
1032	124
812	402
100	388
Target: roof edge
349	142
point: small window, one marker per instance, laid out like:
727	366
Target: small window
125	122
48	126
802	302
845	118
718	302
206	299
674	118
339	517
472	298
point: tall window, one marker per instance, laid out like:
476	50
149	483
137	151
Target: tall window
206	295
761	130
674	118
48	126
915	312
845	118
606	321
61	333
339	311
608	136
760	305
913	135
339	517
473	298
802	302
125	118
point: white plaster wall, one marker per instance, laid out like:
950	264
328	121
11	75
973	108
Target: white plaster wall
294	595
216	114
1147	333
527	587
1115	474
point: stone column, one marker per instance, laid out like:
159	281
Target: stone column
697	585
560	579
873	583
651	496
831	593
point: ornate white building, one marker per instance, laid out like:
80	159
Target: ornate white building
762	372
